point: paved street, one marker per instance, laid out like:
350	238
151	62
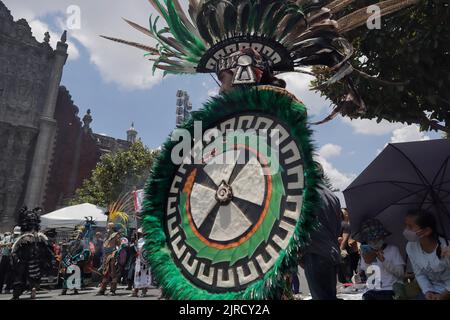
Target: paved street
122	294
86	294
154	294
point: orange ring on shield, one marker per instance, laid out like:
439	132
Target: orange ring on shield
188	189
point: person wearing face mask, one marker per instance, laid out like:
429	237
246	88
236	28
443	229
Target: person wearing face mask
428	253
377	255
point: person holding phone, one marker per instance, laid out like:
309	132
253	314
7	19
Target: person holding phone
382	262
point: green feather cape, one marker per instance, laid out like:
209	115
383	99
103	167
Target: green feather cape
167	274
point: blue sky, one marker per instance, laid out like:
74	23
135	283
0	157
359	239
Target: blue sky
116	83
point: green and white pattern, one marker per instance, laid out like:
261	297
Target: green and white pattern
237	244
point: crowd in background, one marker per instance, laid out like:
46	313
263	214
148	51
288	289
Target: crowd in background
107	258
333	257
117	256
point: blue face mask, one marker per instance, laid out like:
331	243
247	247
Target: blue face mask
365	249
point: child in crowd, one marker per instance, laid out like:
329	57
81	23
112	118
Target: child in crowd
429	255
382	262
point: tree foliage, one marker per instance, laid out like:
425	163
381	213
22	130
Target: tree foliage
116	174
412	50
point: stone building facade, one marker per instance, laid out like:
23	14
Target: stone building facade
76	153
30	72
45	150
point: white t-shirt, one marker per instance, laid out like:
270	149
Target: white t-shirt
393	257
432	273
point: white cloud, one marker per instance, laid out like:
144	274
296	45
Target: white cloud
330	150
408	134
371	127
39	29
298	84
339	180
119	64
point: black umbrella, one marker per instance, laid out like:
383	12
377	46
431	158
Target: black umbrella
404	176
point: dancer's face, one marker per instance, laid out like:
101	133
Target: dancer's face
226	78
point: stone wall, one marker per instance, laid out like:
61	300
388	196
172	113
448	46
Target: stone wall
45	151
110	144
75	154
25	66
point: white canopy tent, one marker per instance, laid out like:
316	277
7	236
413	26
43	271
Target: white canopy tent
70	217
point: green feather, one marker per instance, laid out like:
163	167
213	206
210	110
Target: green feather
195	46
261	8
254	9
166	272
159	7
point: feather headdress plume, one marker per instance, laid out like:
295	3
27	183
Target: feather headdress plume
289	34
118	211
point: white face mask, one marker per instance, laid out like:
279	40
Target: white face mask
410	235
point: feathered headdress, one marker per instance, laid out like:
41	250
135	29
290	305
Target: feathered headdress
289	34
117	211
86	229
29	220
297	33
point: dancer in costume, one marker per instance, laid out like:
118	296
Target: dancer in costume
6	270
31	253
131	261
114	246
232	229
79	252
109	268
142	276
73	254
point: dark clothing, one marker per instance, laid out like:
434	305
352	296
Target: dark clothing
130	266
378	295
345	227
320	273
32	258
295	283
322	257
6	275
348	267
22	280
345	273
324	240
98	254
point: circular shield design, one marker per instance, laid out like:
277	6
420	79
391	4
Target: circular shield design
237	209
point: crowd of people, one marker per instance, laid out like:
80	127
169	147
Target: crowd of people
118	256
109	259
333	255
115	256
